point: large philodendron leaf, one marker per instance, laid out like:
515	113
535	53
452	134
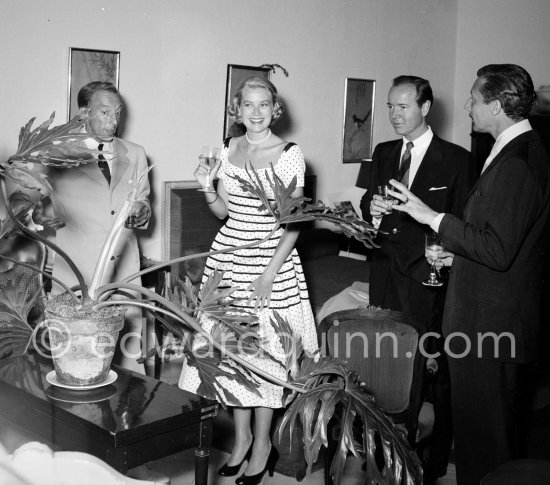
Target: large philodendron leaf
60	146
287	209
332	390
219	304
283	203
290	342
15	304
211	364
24	372
21	174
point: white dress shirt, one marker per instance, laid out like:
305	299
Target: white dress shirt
506	137
93	144
418	151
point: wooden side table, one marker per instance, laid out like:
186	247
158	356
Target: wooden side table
134	420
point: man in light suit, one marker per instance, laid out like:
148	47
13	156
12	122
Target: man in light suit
492	311
441	173
86	201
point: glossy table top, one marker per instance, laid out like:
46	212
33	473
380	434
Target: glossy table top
132	407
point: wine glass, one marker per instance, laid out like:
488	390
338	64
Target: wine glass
383	192
209	155
433	249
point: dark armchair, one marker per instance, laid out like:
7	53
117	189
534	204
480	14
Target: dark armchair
382	346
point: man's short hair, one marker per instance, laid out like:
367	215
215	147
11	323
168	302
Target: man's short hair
87	92
511	85
423	89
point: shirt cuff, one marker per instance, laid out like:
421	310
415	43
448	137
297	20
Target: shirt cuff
437	221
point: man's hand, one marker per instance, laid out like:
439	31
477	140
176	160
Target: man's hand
140	211
431	365
444	258
411	204
379	207
39	218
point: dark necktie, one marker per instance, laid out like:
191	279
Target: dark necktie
405	165
103	165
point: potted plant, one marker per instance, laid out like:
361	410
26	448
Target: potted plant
320	384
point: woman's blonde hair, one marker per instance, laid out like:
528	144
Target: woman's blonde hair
233	110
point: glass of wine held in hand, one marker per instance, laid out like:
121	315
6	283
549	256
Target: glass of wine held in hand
209	157
433	249
383	192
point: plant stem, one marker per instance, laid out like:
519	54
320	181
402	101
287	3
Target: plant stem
108	249
138	303
191	322
199	255
51	245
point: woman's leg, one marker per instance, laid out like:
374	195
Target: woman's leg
243	435
262	441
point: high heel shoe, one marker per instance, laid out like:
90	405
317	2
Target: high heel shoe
231	471
269	467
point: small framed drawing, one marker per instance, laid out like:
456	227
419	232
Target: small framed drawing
236	74
358	116
87	65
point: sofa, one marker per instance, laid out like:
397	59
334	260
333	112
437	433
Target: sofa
327	269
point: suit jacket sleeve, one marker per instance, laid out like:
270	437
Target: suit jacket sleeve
372	177
464	182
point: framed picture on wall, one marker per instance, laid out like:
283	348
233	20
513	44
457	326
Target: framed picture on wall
358	116
235	74
87	65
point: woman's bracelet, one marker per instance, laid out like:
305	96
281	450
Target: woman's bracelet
215	199
270	271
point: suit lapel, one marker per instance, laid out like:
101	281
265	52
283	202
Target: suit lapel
429	171
395	157
91	170
120	163
389	171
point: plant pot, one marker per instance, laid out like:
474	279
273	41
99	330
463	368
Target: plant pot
82	348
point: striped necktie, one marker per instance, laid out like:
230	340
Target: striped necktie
103	165
405	165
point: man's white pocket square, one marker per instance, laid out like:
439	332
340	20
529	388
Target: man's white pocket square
437	188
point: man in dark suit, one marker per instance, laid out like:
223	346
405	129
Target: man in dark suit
492	311
441	173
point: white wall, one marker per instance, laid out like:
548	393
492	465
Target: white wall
498	32
174	55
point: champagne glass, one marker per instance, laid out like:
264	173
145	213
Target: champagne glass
210	155
433	249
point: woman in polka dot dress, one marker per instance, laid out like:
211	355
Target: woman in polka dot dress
268	277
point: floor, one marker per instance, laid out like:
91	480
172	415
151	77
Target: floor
178	469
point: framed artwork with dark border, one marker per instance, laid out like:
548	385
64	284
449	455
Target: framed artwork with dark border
87	65
358	116
235	75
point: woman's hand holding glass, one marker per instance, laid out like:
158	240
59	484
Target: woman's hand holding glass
209	163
